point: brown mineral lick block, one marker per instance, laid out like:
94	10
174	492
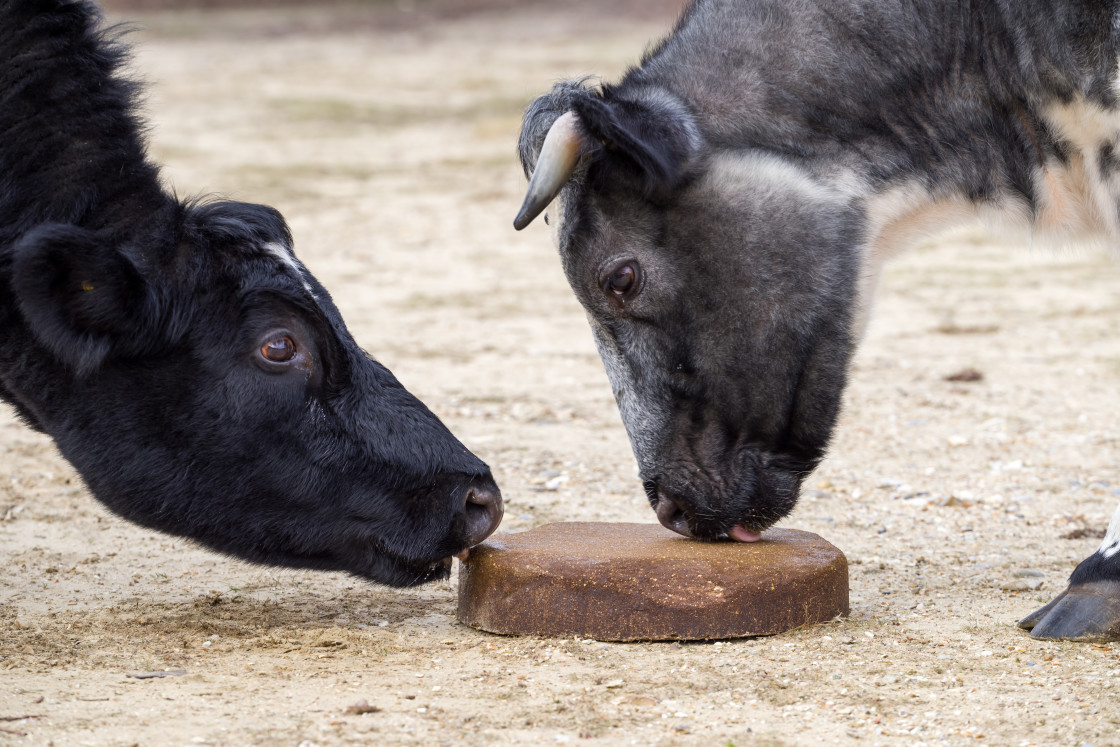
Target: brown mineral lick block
632	582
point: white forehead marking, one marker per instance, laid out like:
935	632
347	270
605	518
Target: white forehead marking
284	254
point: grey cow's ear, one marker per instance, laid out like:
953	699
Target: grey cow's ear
81	296
651	136
654	133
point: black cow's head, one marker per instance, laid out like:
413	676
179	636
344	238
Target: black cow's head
719	283
204	384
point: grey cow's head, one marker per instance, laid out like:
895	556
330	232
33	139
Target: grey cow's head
719	284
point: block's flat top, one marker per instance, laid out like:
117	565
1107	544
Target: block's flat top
603	541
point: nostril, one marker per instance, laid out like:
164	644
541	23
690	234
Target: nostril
671	516
485	499
483	512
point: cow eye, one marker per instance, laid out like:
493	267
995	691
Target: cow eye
621	282
278	350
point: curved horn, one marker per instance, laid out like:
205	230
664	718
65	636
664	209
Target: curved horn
559	155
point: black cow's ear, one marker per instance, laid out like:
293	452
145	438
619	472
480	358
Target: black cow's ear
657	134
81	297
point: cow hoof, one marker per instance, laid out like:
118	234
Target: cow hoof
1083	612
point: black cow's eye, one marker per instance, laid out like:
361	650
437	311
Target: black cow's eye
621	281
278	350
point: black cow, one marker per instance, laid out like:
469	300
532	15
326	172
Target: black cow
725	209
183	360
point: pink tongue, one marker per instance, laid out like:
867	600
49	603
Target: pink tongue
742	534
462	556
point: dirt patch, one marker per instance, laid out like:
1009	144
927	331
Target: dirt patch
962	504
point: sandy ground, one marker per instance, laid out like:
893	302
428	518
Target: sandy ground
386	136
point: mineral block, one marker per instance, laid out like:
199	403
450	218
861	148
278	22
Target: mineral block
628	582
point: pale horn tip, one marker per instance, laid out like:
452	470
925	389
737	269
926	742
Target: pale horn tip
559	155
527	214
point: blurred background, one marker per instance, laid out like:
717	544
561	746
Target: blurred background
974	465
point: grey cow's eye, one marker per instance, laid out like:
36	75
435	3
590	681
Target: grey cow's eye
622	281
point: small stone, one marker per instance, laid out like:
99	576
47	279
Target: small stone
965	375
360	708
638	701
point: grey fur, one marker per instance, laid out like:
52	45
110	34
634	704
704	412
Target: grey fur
757	166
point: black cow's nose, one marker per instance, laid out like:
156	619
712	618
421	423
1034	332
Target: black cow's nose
483	511
671	516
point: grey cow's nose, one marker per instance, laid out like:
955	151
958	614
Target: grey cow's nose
671	516
483	510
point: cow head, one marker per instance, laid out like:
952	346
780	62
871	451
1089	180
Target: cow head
204	384
719	283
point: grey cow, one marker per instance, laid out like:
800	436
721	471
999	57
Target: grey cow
723	213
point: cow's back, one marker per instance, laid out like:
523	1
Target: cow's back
990	101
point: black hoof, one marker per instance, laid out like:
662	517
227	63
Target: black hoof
1083	612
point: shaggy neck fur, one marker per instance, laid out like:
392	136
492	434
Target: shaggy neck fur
70	149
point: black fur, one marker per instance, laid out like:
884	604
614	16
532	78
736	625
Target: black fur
130	329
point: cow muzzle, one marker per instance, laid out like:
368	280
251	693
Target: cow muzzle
670	512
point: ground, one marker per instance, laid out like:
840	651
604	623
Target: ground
973	467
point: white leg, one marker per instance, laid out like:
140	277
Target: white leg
1111	544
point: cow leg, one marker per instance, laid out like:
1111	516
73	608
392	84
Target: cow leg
1089	610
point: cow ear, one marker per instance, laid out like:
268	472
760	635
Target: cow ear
656	134
80	295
